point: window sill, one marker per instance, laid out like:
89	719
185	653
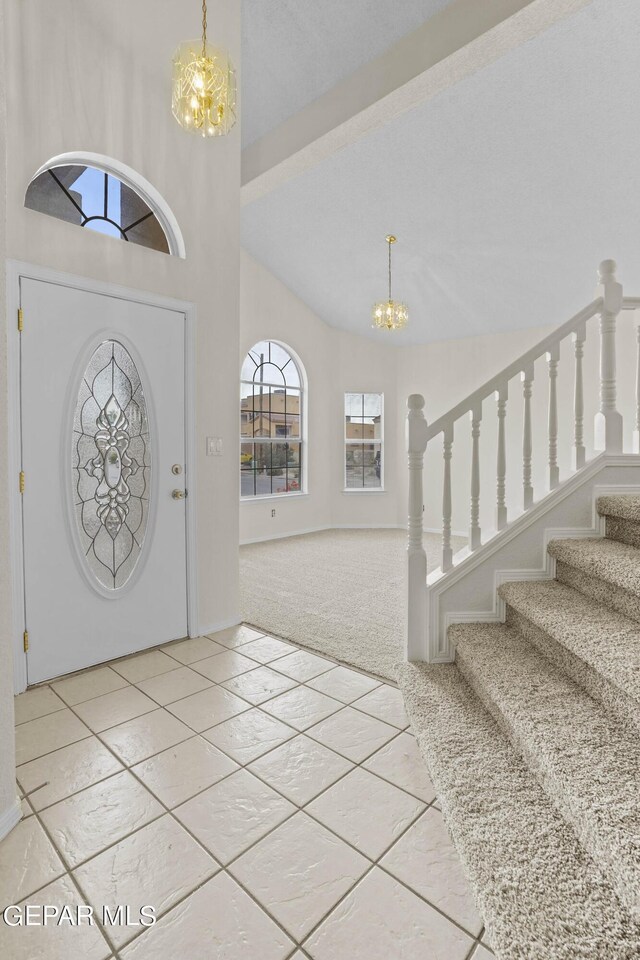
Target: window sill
274	496
367	490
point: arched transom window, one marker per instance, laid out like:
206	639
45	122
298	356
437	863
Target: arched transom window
97	200
271	422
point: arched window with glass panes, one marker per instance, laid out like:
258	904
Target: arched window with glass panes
272	440
97	199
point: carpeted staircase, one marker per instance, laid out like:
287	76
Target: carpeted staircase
532	739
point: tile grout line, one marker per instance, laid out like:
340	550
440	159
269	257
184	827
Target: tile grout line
373	864
128	767
107	664
244	766
224	867
474	946
69	874
135	685
258	706
328	656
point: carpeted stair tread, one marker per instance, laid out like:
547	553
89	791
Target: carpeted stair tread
541	895
616	563
606	640
587	762
623	506
622	518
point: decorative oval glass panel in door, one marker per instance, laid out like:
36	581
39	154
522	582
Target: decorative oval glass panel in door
111	458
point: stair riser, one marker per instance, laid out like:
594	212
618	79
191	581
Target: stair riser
597	589
624	531
615	700
541	895
619	872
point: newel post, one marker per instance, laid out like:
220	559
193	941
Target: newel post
416	556
608	421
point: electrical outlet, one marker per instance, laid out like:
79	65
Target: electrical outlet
273	513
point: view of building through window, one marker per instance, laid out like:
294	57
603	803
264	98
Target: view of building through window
271	439
363	440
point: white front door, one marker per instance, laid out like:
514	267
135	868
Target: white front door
103	454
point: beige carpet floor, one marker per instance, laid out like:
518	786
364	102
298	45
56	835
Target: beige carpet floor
338	592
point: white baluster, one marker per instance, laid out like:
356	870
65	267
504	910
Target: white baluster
578	399
501	466
447	552
474	526
527	442
416	432
608	422
636	432
553	357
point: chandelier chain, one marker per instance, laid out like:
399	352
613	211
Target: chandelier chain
203	91
389	314
204	27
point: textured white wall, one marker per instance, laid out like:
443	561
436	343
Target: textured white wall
103	84
444	372
335	362
7	745
268	310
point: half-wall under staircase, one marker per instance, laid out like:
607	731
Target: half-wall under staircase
532	735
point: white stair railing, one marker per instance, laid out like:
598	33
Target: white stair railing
607	436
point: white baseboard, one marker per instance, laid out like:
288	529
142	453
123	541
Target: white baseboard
220	625
282	536
332	526
454	533
346	526
548	572
444	608
10	818
366	526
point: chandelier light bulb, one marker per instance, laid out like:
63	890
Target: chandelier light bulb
390	314
204	86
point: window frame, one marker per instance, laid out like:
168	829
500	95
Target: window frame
303	423
131	179
352	442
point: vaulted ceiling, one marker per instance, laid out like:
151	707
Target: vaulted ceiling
505	190
295	50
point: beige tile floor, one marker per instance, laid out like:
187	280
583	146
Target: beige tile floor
267	802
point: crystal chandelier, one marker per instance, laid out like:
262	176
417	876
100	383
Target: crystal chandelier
389	314
204	86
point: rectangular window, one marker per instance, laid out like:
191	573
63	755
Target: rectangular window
363	441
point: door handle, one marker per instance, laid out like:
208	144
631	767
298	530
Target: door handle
179	494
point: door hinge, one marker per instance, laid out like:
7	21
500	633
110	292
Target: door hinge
25	639
20	319
21	481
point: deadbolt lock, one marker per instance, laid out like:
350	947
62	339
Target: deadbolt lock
176	469
179	494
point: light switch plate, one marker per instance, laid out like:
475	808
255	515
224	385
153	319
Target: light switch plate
214	446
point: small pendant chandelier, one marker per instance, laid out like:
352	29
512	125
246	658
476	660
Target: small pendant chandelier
389	314
204	86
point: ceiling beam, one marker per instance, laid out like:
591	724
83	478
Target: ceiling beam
455	43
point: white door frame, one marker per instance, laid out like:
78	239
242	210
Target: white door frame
15	271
